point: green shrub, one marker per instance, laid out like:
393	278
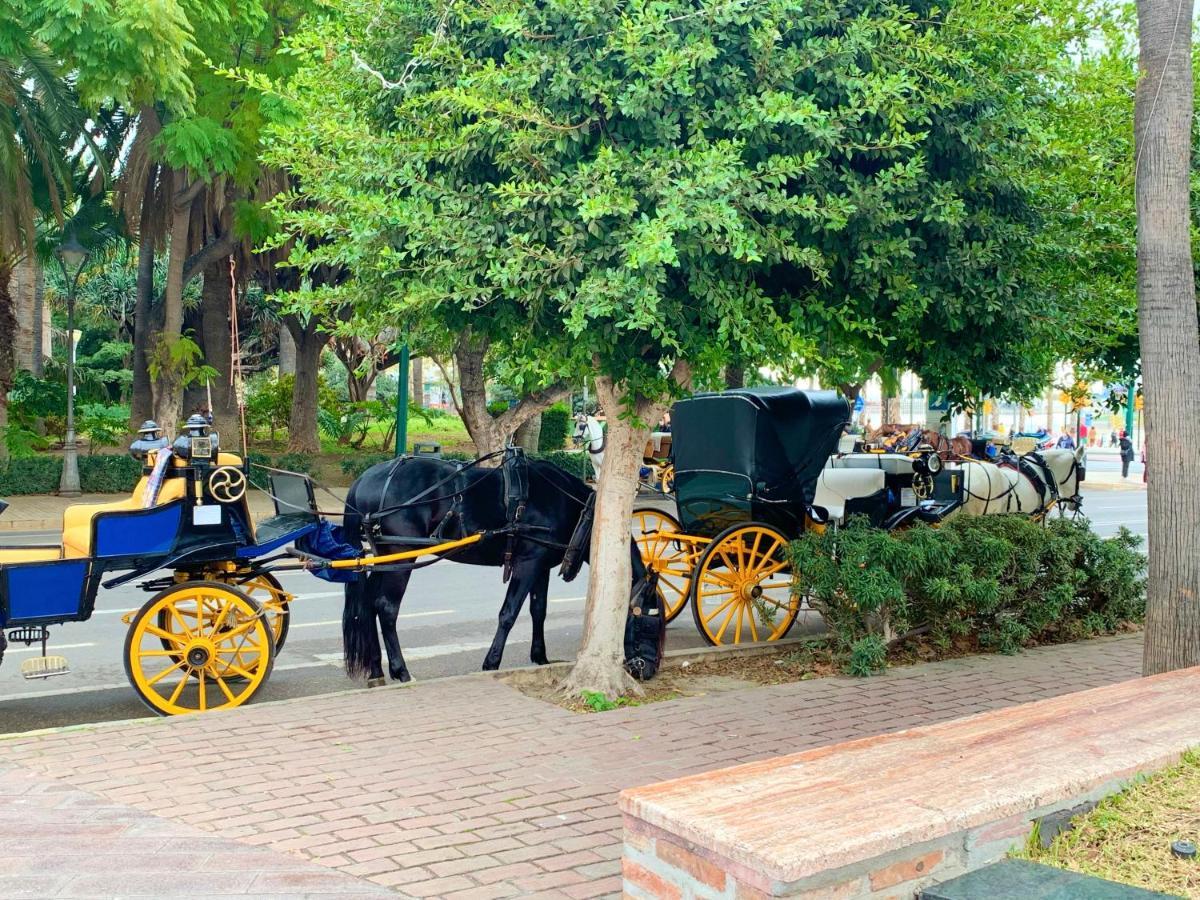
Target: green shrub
556	428
295	462
104	424
109	473
1003	582
578	464
30	475
355	465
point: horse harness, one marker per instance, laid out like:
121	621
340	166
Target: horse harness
514	473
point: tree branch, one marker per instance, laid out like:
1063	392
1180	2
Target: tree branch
209	253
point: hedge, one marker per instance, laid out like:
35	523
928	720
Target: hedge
100	474
997	583
556	428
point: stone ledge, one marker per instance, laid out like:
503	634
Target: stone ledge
883	816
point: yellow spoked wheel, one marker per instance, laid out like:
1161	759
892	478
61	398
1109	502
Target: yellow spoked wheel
672	559
742	587
217	654
268	593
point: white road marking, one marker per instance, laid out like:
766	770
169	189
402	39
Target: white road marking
567	599
412	615
36	648
313	596
417	652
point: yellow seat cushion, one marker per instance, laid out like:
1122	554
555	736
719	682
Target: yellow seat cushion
77	520
29	554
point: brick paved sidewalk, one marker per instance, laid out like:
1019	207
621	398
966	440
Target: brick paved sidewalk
464	788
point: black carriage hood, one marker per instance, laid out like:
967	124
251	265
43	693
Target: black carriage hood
779	437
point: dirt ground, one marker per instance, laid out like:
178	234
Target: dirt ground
690	678
730	671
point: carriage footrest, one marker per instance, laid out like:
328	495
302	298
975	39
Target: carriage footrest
44	667
28	634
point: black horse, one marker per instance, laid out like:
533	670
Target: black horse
422	498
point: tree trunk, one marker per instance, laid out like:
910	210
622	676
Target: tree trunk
8	333
24	294
218	351
735	377
168	391
491	434
600	664
287	351
416	383
1170	339
529	434
303	436
141	402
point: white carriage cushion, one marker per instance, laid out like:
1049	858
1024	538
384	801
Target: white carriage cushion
892	463
836	486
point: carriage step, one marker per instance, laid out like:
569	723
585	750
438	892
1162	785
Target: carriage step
44	667
28	634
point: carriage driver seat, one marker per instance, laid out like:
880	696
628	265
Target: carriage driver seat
845	492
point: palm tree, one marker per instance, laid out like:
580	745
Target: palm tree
40	119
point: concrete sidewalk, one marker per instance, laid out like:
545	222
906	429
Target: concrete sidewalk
457	788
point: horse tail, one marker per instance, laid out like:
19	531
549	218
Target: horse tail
360	639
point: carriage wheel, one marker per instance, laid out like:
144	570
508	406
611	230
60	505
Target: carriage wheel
266	590
216	656
673	560
742	589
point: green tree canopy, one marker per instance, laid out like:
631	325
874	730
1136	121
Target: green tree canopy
643	190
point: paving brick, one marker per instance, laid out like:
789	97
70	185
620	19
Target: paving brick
480	778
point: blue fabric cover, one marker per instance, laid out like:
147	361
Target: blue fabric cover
328	542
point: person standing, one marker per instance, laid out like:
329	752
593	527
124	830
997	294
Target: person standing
1126	446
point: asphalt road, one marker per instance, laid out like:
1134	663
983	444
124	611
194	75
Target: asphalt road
446	624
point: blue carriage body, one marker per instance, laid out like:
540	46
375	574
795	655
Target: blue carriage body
46	589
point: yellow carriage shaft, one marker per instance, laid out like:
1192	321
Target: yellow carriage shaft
365	562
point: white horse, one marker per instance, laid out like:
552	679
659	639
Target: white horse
590	434
989	488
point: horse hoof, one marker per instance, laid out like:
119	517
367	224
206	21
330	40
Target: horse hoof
403	678
539	660
490	666
376	682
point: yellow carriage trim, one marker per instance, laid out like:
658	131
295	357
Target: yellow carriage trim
365	562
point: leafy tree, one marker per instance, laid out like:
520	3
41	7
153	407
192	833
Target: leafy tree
640	192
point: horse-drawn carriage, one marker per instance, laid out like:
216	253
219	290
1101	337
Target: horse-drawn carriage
749	476
755	468
208	637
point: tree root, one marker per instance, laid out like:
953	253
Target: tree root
601	677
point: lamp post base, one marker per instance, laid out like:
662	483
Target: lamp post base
68	485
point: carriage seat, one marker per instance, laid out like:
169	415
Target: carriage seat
77	519
838	489
891	463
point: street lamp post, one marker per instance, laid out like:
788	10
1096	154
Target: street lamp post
71	258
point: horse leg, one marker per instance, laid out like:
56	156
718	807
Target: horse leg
390	598
538	601
519	586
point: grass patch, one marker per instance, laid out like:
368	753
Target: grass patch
1128	836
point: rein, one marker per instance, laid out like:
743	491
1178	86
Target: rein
423	498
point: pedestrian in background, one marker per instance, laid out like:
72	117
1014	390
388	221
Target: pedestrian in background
1126	446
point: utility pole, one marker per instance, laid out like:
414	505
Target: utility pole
402	402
